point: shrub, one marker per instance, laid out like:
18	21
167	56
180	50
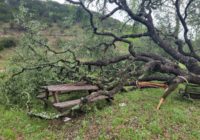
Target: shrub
1	48
18	90
7	42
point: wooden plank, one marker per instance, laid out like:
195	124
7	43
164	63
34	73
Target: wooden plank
67	104
55	96
68	88
70	84
43	95
72	88
71	103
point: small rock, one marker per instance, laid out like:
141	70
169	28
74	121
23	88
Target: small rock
122	104
66	119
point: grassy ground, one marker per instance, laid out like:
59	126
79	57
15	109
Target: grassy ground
135	119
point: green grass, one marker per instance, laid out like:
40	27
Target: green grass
15	124
138	119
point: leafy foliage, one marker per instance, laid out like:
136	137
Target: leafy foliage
37	63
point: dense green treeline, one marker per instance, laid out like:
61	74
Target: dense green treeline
48	11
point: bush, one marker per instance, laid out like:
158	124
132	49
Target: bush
18	90
1	48
7	42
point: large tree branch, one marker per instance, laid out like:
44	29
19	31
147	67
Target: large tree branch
107	61
50	65
148	22
186	8
135	35
134	16
185	27
110	14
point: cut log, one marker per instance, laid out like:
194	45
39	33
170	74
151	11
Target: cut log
151	85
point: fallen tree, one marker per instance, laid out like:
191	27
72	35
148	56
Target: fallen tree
174	49
152	62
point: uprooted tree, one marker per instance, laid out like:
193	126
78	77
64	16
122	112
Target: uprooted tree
166	23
